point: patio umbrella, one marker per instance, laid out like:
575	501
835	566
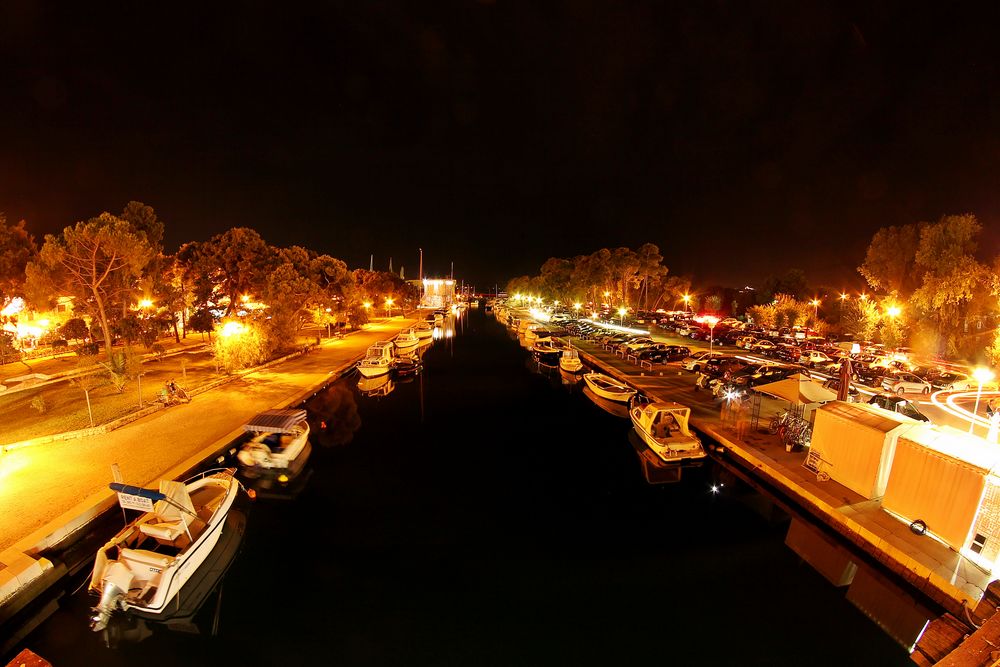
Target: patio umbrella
845	379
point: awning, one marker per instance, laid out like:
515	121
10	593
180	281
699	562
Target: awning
798	389
275	421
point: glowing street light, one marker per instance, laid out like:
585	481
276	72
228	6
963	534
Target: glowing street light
711	321
981	375
863	296
577	306
593	316
145	303
893	311
843	296
621	314
815	304
232	329
388	306
687	301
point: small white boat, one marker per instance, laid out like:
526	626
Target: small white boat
663	427
407	338
142	569
424	329
570	361
280	436
607	387
378	360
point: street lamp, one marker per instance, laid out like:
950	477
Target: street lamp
687	302
981	375
388	306
577	306
893	311
621	315
843	296
711	321
863	297
815	304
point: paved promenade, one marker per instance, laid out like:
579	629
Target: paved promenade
41	486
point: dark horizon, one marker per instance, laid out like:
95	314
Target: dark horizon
497	134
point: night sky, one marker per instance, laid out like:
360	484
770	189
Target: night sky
742	138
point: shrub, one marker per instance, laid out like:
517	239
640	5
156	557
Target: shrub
60	344
88	349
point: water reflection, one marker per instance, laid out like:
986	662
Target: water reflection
334	417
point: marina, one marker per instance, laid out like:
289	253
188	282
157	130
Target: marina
434	548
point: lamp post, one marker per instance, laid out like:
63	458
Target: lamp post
621	316
981	375
388	306
711	321
815	305
687	302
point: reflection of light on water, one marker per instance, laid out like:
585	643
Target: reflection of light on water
449	333
437	335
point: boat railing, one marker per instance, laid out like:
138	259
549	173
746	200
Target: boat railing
221	473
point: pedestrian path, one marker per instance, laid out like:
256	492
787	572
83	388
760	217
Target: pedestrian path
43	484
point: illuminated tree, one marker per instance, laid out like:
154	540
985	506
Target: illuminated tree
302	284
890	264
240	346
74	329
954	287
92	261
237	262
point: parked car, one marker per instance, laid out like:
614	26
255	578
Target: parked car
833	384
866	376
958	382
907	383
676	352
763	346
899	405
698	359
637	343
814	358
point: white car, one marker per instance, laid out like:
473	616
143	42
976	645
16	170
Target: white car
906	383
812	357
966	383
637	343
698	359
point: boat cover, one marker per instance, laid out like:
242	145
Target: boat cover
136	491
275	421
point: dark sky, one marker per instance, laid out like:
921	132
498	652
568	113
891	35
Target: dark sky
742	138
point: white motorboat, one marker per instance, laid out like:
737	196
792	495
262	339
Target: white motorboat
424	329
143	568
570	361
378	360
663	427
407	338
607	387
279	438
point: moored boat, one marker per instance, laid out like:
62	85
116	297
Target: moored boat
570	361
279	438
663	427
423	329
182	529
407	338
546	353
378	360
608	387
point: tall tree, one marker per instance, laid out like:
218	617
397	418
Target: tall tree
954	285
238	261
91	261
17	248
890	261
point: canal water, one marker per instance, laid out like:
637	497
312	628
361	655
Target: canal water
483	513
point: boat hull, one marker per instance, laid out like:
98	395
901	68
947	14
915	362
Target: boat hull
617	396
374	371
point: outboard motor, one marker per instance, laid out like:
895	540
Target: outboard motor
109	602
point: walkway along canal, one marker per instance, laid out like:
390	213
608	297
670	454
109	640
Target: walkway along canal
483	513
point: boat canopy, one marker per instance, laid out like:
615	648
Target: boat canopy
149	494
275	421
